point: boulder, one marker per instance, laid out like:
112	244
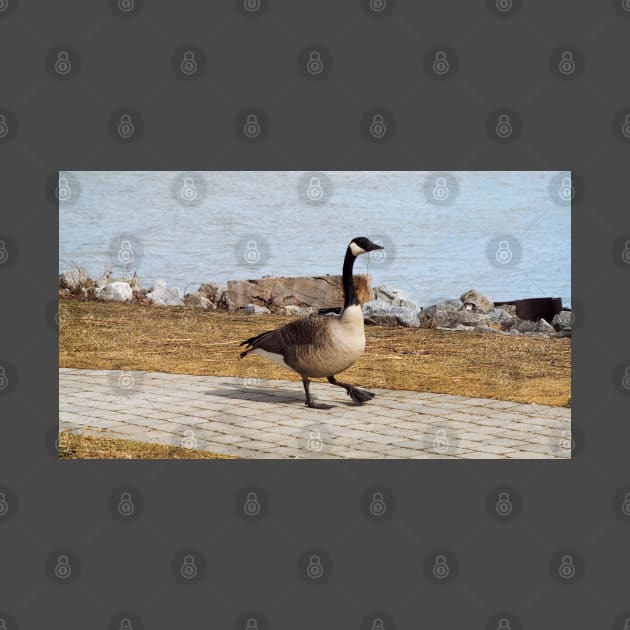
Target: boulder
161	295
440	315
197	300
297	311
321	292
74	280
384	313
393	296
213	291
254	309
476	301
116	292
563	320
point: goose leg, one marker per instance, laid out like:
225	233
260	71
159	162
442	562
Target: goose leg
356	393
309	401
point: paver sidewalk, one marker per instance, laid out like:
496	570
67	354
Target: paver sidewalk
256	418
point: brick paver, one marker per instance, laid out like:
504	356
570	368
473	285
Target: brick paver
255	418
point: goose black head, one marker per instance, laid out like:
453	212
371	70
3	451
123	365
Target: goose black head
362	245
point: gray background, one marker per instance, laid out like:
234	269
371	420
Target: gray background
252	62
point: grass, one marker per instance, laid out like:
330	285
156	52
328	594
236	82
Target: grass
97	335
73	446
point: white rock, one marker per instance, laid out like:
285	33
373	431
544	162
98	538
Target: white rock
381	312
116	292
254	309
479	302
393	296
297	311
72	280
161	295
196	300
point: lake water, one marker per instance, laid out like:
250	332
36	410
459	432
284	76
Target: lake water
506	234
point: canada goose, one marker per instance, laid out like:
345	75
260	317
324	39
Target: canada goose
321	345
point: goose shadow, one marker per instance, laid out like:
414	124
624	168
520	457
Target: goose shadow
268	396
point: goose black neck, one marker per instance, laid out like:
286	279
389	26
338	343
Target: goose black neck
349	296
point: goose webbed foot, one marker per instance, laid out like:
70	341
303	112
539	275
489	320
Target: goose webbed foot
309	401
314	405
357	394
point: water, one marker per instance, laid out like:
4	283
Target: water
506	234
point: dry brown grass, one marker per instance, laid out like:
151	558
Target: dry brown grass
72	446
179	340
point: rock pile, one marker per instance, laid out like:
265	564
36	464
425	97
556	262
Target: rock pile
473	311
299	297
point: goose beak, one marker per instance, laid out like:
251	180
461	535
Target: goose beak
372	246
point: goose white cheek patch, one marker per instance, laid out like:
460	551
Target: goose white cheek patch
356	250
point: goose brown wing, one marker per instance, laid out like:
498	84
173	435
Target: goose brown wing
290	339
